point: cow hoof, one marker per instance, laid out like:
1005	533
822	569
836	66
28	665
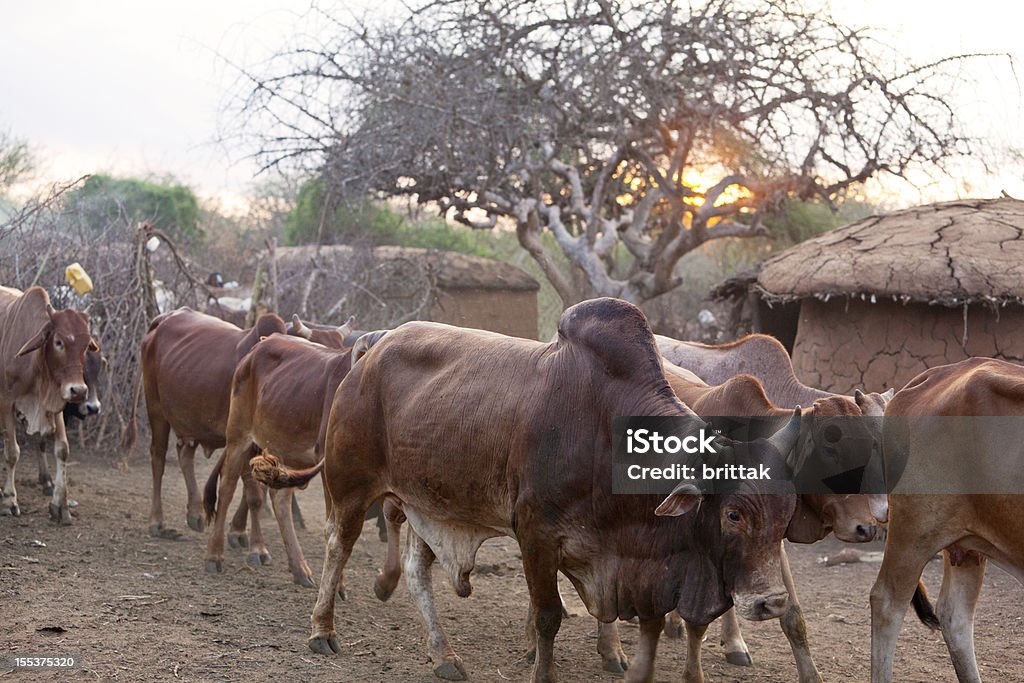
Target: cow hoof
342	594
324	646
673	629
214	566
616	664
60	514
381	589
12	510
255	560
451	670
304	581
195	523
383	535
238	539
739	658
47	488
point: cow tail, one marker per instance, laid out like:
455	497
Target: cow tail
130	433
210	490
923	608
266	468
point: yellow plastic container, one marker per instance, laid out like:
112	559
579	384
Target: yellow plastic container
79	279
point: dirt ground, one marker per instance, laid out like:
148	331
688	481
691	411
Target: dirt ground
135	608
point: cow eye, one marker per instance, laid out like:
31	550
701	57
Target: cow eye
833	433
733	516
58	344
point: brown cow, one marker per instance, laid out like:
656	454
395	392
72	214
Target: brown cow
281	394
188	359
42	351
340	337
481	435
945	460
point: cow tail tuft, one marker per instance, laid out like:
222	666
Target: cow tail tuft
210	490
923	608
130	433
267	468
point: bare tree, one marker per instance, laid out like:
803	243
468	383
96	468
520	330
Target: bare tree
631	132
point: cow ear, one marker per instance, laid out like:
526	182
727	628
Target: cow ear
858	397
683	498
35	342
888	394
93	346
805	526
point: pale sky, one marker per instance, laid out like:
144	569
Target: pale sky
137	87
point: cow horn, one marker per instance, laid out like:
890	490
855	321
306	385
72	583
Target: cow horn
50	310
684	497
784	440
299	328
346	329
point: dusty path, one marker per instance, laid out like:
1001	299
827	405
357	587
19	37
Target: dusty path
137	608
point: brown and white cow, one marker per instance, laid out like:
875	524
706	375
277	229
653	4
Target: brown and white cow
42	351
481	435
188	359
281	394
943	459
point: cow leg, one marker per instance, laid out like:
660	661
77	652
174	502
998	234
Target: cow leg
157	458
904	560
254	493
9	494
237	538
344	523
418	559
297	513
694	673
610	648
281	499
540	565
44	469
387	580
795	628
187	462
961	586
735	648
59	503
642	670
235	461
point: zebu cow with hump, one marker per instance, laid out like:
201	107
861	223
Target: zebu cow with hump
281	395
340	337
937	462
481	435
188	359
42	352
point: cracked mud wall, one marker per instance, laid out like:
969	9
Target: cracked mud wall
842	347
506	311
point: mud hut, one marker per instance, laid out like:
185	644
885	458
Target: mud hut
386	286
875	302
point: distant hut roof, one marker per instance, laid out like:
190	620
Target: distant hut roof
952	253
449	269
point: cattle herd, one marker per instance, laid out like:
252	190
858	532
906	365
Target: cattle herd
451	436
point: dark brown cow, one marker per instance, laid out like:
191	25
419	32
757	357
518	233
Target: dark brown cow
958	457
481	435
42	351
850	517
281	394
188	359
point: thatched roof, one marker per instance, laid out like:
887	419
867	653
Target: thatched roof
449	270
950	254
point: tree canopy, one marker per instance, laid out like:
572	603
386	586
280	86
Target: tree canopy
168	205
632	132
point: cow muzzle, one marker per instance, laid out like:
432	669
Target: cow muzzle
856	533
74	393
762	606
92	407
